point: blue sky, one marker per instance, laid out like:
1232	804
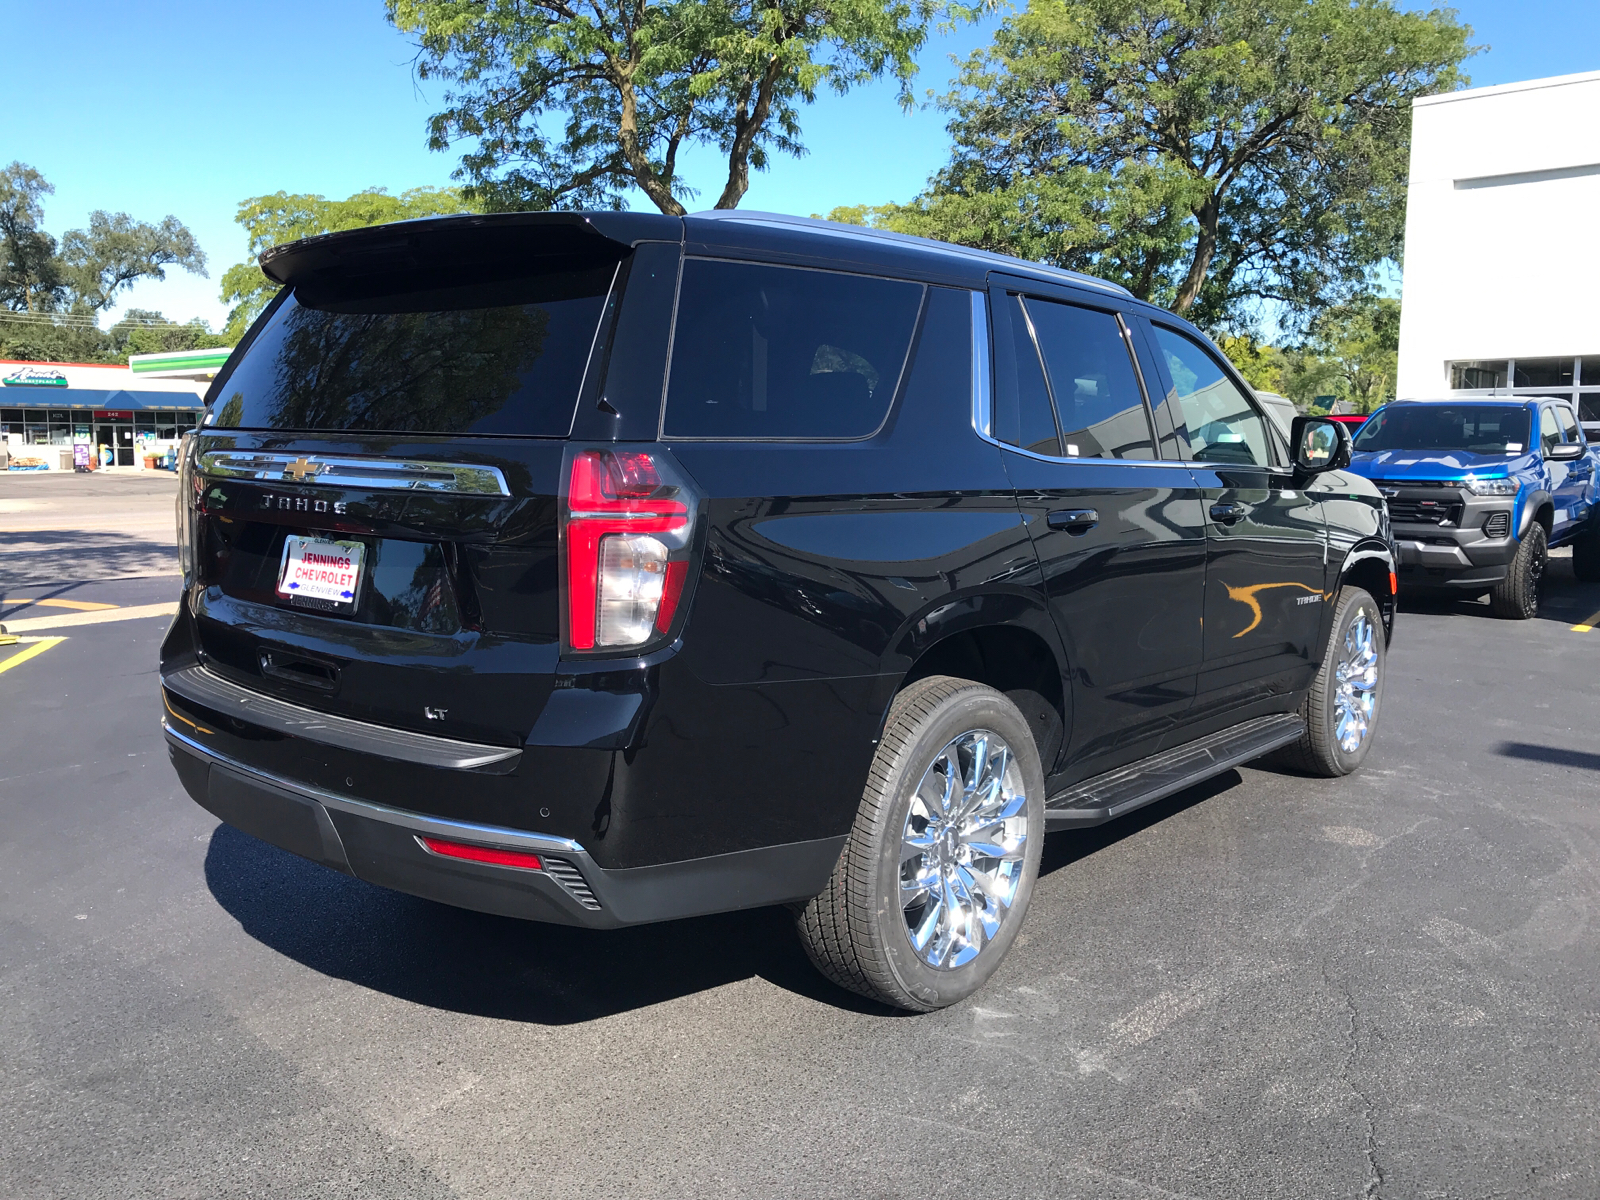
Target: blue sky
190	109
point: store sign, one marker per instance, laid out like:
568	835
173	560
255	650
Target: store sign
35	377
80	455
112	414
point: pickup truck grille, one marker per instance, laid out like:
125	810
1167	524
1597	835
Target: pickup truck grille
1404	511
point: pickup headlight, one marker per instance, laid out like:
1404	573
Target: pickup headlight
1490	487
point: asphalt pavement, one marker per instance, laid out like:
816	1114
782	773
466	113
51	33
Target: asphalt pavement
1382	986
60	525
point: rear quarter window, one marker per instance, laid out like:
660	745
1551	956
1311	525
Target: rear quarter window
762	351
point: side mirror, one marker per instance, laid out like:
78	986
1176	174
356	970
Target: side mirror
1566	451
1318	445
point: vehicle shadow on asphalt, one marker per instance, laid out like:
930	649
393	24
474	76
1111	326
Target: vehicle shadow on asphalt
469	962
1065	847
474	963
77	554
1563	599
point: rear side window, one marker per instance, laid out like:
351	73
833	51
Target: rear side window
505	357
1091	374
1038	423
783	352
1223	426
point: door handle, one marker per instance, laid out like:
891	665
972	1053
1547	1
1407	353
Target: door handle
1227	514
1073	520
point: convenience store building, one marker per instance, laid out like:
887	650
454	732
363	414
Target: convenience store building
120	414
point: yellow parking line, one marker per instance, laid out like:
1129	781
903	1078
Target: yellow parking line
1587	624
32	651
80	605
133	612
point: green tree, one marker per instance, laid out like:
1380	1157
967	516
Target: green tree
572	104
141	331
1356	347
30	278
1261	365
116	251
89	267
283	217
1208	154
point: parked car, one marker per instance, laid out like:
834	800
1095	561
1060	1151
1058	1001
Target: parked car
1480	490
1351	421
612	568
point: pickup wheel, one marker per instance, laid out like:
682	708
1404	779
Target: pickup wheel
1342	706
937	872
1516	597
1586	556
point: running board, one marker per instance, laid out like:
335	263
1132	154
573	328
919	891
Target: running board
1137	784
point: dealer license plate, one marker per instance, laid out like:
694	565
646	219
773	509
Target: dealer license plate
317	573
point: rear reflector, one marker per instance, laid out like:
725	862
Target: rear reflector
1394	584
483	854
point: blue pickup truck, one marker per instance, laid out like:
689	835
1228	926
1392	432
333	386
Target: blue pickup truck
1479	491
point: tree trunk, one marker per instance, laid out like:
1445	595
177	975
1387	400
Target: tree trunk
745	139
650	183
1205	247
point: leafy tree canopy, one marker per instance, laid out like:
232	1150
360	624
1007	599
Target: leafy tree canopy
86	271
1210	155
282	217
570	104
1350	352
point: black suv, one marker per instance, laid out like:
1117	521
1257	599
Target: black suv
611	568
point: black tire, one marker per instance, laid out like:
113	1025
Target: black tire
856	931
1586	556
1516	597
1320	750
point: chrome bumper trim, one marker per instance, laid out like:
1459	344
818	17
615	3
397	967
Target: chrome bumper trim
515	839
204	687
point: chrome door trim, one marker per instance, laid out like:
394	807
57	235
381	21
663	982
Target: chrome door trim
369	474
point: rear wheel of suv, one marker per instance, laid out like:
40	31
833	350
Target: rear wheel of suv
1517	595
936	875
1341	708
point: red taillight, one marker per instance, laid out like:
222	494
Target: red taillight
625	538
483	854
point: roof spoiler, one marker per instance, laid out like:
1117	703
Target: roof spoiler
499	242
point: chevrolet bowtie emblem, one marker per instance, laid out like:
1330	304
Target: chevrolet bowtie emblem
301	468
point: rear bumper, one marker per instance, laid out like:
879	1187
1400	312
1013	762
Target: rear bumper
381	845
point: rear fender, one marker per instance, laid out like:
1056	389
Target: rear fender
952	615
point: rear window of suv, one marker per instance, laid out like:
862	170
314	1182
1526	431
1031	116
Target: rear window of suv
786	352
505	357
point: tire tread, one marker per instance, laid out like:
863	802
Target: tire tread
835	926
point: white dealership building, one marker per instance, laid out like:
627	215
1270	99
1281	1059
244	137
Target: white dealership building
1502	266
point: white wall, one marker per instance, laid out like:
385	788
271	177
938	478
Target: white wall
1511	269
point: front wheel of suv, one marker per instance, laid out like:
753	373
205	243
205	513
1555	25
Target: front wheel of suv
1517	595
936	874
1341	708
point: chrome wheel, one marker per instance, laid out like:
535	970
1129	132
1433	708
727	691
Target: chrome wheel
1355	698
962	849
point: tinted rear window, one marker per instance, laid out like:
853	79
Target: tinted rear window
494	358
782	352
